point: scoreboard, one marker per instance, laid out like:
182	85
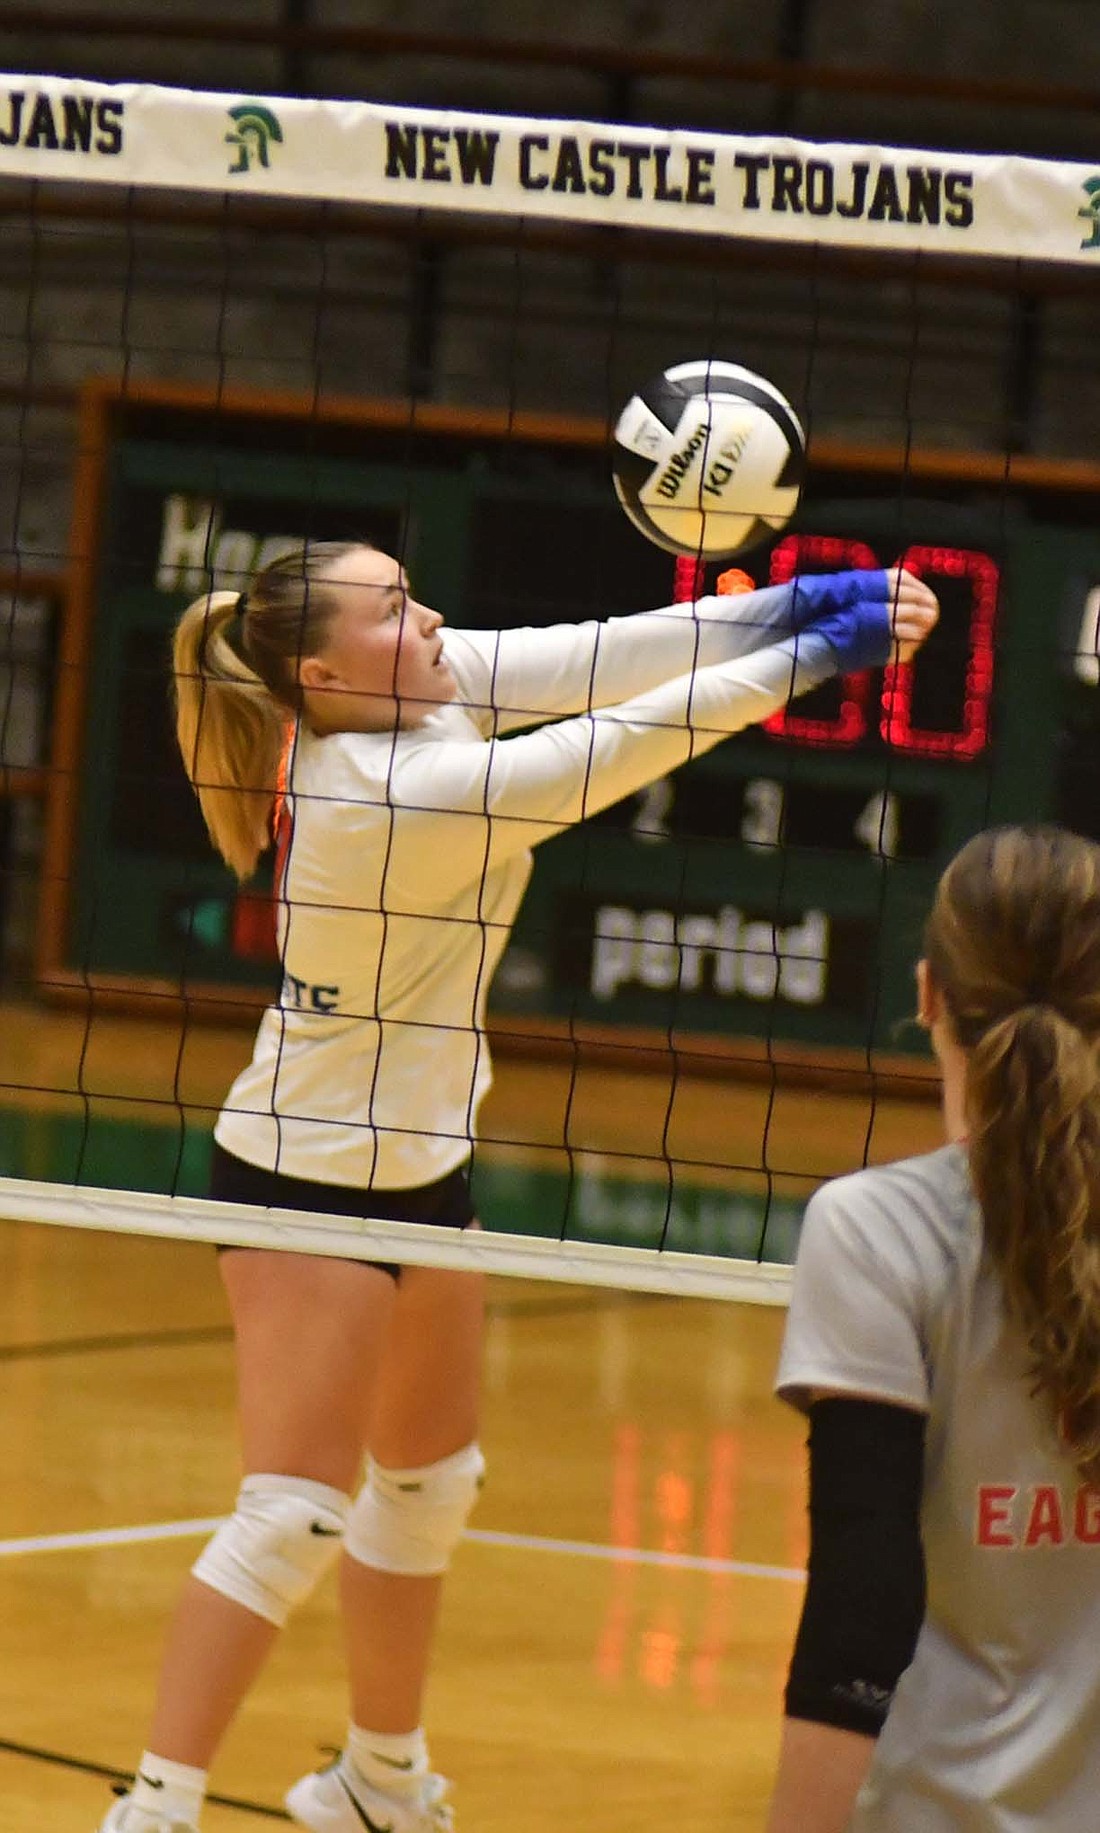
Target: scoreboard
777	886
773	888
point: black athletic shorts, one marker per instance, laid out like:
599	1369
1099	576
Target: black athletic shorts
446	1202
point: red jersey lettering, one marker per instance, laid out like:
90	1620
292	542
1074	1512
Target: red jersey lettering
1086	1517
1045	1525
993	1527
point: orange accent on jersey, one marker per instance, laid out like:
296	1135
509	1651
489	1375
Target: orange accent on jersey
282	774
733	581
281	820
253	929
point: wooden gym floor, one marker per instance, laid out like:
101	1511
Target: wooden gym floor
616	1627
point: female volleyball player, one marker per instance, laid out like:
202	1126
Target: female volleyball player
944	1336
404	827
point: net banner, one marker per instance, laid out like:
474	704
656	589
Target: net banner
582	172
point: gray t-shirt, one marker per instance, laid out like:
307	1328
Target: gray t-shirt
995	1727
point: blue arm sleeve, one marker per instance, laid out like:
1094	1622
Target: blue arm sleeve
820	595
857	634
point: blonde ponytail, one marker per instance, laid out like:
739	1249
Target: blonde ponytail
230	730
235	699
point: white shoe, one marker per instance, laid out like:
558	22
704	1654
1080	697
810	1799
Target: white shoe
329	1802
124	1817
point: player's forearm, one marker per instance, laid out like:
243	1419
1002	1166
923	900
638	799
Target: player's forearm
537	785
531	675
821	1770
636	654
580	766
680	639
524	677
703	633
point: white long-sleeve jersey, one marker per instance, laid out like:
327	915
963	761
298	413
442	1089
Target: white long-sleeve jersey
409	852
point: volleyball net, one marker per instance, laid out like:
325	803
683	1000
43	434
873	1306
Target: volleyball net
233	323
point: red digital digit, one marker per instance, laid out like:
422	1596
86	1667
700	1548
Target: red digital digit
830	554
896	725
689	579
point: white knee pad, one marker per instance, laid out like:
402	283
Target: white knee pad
270	1554
410	1521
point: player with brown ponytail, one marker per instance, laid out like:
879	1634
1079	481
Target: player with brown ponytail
1019	974
944	1338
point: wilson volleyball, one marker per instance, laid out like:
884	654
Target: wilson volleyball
708	459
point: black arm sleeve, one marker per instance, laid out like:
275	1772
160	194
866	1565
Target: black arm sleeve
865	1592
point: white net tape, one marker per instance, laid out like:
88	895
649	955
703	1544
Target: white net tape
587	1263
791	191
900	209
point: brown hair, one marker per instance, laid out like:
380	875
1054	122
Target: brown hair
234	663
1013	946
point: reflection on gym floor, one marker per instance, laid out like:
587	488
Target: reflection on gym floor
616	1630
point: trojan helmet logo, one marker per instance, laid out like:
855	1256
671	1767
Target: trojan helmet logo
257	127
1091	211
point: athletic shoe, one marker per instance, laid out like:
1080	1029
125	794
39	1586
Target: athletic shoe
124	1817
329	1801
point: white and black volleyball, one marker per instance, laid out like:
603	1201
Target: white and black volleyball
708	459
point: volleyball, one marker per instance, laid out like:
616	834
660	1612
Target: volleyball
708	459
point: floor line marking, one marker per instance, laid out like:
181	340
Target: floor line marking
634	1556
87	1766
109	1537
488	1537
